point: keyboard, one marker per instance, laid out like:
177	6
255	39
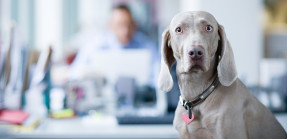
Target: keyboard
166	119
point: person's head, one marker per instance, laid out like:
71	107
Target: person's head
122	23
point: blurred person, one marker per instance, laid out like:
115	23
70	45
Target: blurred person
122	24
120	34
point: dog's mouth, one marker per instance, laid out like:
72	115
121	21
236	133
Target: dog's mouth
196	65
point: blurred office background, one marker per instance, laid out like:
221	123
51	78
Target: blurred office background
40	38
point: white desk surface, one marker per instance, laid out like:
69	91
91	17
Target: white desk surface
74	128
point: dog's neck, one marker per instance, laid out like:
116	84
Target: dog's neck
193	84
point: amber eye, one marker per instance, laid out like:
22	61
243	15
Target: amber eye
178	30
209	28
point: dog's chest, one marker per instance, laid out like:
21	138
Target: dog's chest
201	125
207	123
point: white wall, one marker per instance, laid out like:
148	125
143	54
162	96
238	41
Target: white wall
242	22
87	12
5	23
166	10
24	17
94	12
48	25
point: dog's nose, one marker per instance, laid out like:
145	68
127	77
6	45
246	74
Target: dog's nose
196	53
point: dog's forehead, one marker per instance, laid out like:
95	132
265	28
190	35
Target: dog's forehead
191	16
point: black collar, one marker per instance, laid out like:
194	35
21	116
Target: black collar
189	105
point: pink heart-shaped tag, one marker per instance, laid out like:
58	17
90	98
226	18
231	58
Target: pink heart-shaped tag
185	118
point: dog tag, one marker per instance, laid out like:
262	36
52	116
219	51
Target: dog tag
185	118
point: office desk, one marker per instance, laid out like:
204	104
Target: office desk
75	129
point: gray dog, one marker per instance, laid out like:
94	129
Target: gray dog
214	103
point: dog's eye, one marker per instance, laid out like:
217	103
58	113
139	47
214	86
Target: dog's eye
209	28
178	30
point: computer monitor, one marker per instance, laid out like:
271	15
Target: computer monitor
136	63
112	64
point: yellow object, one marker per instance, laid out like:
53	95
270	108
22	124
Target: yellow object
66	113
26	128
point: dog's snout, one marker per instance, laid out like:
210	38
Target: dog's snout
196	53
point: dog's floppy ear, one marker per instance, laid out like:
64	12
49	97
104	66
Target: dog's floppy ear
226	67
165	81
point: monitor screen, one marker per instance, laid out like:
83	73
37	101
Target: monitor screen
112	64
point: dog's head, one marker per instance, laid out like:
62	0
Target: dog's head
195	40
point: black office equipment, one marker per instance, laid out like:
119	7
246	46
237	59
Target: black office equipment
172	101
165	119
125	88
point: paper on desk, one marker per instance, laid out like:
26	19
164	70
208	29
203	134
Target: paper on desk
17	55
99	120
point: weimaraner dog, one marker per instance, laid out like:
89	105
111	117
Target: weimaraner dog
214	103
